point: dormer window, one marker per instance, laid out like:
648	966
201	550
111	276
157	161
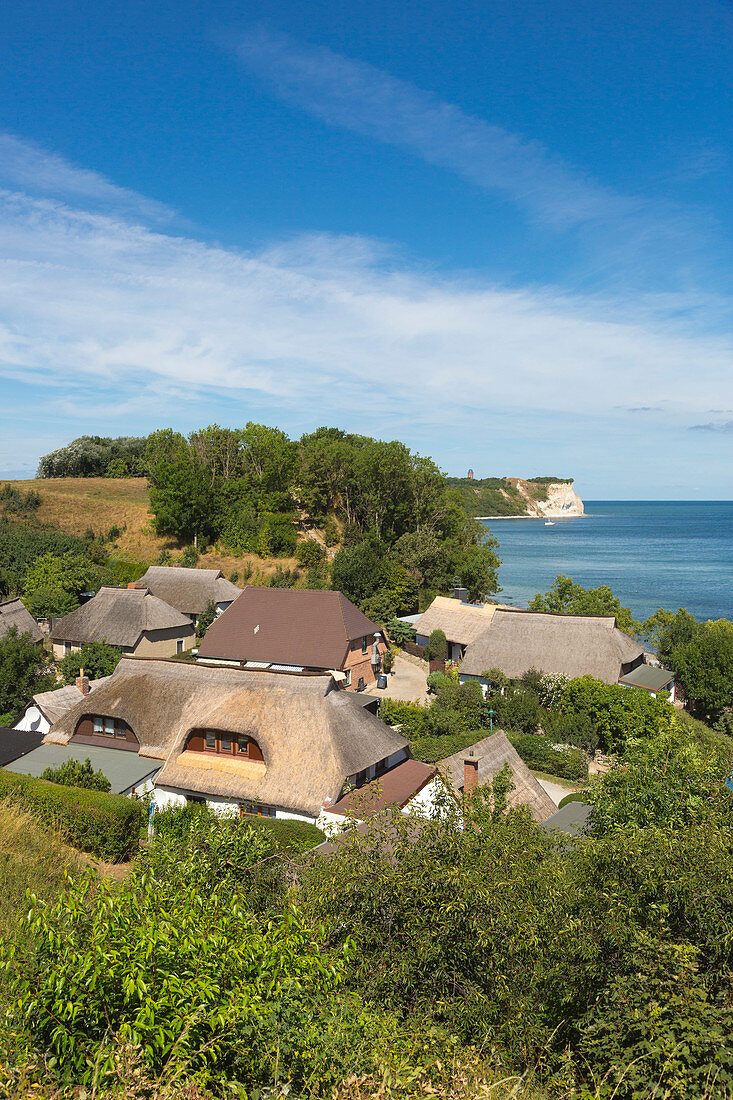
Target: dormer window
109	727
224	743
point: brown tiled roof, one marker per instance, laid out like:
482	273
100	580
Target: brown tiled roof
394	788
14	613
188	590
287	626
118	616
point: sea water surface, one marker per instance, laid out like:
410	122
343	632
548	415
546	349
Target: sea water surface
651	553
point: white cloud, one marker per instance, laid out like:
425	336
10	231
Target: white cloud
114	323
27	167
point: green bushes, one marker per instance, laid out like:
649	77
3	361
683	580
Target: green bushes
74	773
284	835
432	749
539	753
106	825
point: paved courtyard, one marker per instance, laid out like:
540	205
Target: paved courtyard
407	682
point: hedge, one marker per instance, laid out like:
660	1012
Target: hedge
432	749
539	753
106	825
290	836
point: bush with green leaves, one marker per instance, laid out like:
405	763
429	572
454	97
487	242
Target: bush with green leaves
437	647
331	532
540	754
25	668
95	658
616	713
397	712
206	618
400	633
309	554
106	825
77	773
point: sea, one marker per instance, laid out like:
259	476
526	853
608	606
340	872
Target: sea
650	553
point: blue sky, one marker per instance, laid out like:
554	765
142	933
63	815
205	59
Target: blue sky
498	232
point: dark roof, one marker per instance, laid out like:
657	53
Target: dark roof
188	590
16	743
649	677
119	616
123	769
15	613
394	788
573	819
556	645
288	626
312	736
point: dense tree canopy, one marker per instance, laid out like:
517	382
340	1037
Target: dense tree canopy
25	668
701	656
565	597
96	456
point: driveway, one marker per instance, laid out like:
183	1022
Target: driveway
408	682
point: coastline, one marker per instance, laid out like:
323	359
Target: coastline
559	515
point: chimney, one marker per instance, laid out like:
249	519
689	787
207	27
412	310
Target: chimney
470	774
82	682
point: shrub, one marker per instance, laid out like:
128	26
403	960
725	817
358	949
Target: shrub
72	773
411	716
539	753
331	532
309	554
205	619
190	557
388	660
432	749
96	658
286	836
400	633
106	825
437	647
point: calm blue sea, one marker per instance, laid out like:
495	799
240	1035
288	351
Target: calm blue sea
651	553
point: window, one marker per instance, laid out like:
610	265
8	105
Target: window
348	677
105	726
67	649
179	646
256	809
242	746
361	685
364	644
210	741
225	743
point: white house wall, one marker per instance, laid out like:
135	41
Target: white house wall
166	798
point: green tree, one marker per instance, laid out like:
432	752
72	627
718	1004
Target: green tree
25	669
96	658
53	583
437	647
182	499
565	597
309	554
205	619
357	571
74	773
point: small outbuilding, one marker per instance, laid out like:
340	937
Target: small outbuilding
461	622
659	682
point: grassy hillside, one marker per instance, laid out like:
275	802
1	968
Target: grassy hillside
499	496
76	504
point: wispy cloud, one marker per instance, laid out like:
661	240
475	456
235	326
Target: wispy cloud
713	426
24	166
113	325
617	235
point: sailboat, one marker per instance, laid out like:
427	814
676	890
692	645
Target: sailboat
549	523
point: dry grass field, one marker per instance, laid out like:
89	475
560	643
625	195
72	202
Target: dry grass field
76	504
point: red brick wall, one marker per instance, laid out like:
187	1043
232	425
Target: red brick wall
360	664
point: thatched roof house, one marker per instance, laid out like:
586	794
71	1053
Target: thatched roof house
189	590
14	613
461	623
565	645
296	629
487	758
280	741
47	707
131	618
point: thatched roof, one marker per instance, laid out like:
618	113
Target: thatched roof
492	754
54	704
14	613
119	616
565	645
460	622
312	736
287	626
188	590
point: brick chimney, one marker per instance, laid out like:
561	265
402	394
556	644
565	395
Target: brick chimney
82	682
470	773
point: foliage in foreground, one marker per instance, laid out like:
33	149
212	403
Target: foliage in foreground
106	825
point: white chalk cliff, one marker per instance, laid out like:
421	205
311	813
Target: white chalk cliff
561	499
